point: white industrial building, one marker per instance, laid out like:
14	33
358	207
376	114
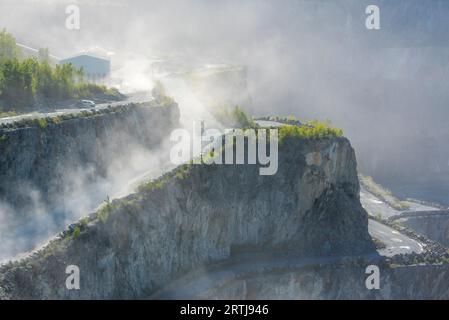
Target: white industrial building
96	68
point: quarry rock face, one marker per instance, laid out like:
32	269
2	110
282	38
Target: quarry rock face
336	282
200	214
432	226
39	158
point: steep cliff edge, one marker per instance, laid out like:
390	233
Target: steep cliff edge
55	170
38	155
199	214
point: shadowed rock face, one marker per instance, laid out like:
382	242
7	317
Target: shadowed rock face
200	214
57	171
433	226
38	159
337	282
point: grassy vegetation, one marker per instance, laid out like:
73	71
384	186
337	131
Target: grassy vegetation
84	221
103	213
160	95
128	205
76	232
383	193
426	203
56	120
165	101
5	114
310	130
233	117
90	90
42	123
151	185
105	210
179	173
182	172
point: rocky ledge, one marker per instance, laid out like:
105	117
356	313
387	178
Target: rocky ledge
200	214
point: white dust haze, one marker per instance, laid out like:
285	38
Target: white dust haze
387	89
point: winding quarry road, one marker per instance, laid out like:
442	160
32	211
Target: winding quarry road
375	206
134	97
394	241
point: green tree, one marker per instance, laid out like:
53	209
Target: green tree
18	82
43	55
25	82
8	47
44	81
